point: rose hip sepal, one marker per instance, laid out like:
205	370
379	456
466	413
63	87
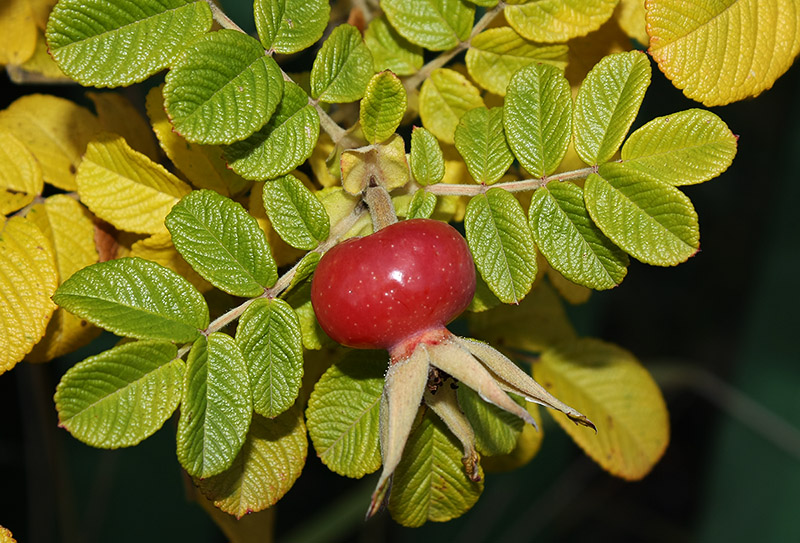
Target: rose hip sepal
396	290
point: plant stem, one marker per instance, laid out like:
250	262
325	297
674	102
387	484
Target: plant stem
223	20
446	189
380	206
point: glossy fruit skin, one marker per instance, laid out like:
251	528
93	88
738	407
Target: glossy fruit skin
408	278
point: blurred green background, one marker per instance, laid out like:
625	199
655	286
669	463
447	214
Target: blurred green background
718	333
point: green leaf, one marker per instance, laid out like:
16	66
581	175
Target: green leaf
652	221
223	243
390	50
434	24
109	44
684	148
284	143
270	461
430	483
289	26
269	337
344	411
496	54
607	103
121	396
538	117
443	99
136	298
222	88
611	387
572	244
383	107
295	213
300	299
482	143
427	160
501	243
496	430
343	67
558	20
216	408
422	205
305	268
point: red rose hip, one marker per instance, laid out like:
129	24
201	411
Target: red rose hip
386	289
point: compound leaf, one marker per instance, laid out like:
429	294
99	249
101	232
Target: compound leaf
343	67
223	243
214	102
121	396
444	97
135	298
106	43
434	24
501	243
537	116
481	140
269	337
289	26
552	21
295	213
344	411
216	406
382	107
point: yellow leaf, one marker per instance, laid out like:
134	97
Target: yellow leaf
70	229
630	16
339	204
528	444
28	278
20	175
116	114
202	165
719	52
324	163
39	68
282	252
586	51
41	11
159	248
17	32
552	21
608	385
6	536
250	528
55	130
126	188
574	294
444	97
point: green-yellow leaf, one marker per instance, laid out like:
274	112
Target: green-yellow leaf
343	67
117	114
611	388
722	51
422	205
390	50
28	278
382	107
344	411
109	45
55	130
607	103
213	102
443	99
289	26
121	396
496	430
434	24
631	19
652	221
495	54
216	406
481	140
570	241
537	116
427	160
386	162
528	444
430	482
20	174
126	188
270	461
158	248
684	148
295	213
552	21
202	165
70	229
501	243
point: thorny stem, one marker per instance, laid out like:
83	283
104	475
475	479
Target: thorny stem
446	189
415	80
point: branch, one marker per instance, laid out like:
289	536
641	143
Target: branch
446	189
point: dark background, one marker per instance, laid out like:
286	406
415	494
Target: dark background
718	333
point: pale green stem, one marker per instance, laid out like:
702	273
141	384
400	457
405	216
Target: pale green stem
446	189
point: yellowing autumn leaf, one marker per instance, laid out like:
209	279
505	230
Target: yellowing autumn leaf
39	68
159	248
630	16
55	130
20	175
126	188
202	165
28	277
116	114
6	536
719	52
17	32
70	229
